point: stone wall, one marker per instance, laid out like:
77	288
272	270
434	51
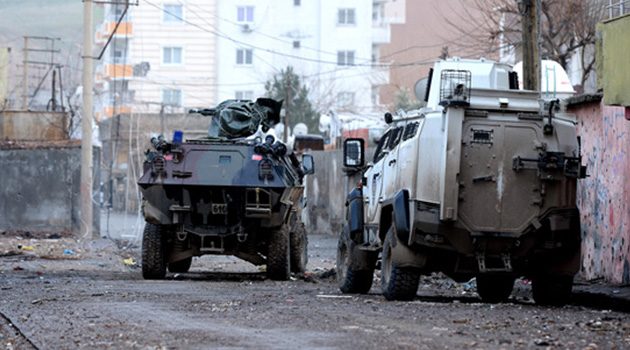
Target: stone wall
40	187
33	125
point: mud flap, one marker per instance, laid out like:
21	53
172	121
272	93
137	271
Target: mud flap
355	214
399	205
154	215
404	256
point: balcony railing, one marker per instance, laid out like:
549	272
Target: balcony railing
107	28
117	71
381	33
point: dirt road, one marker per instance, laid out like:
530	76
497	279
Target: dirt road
81	295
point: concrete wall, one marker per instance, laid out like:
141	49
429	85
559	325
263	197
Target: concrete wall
40	188
604	197
26	125
325	192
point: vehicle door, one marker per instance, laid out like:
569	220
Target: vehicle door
373	181
390	165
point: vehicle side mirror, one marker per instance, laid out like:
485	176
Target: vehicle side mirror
353	153
388	118
308	165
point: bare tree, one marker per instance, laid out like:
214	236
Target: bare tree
567	28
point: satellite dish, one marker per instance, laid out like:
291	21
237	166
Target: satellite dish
420	88
300	129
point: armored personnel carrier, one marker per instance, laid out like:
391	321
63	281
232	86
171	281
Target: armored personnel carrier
481	183
232	193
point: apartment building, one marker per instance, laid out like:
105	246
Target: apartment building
333	45
161	57
179	54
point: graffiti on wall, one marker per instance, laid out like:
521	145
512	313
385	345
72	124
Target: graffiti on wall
603	197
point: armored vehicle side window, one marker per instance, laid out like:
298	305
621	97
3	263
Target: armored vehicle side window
410	130
394	140
378	154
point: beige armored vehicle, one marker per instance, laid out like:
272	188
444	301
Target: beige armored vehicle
481	183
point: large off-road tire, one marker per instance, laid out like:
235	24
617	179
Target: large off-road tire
181	266
494	288
278	260
153	255
355	267
552	289
299	249
397	283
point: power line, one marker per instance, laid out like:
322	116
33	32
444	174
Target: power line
269	50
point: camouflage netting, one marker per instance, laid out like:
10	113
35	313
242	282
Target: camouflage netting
240	118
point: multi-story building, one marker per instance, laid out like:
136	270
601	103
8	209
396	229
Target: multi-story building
162	56
333	46
422	32
195	53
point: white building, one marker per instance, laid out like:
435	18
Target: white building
174	54
161	57
332	45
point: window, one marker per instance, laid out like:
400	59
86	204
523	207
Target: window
394	139
378	154
172	14
244	95
296	44
374	95
346	17
172	97
410	130
244	56
345	58
345	100
245	14
118	56
172	55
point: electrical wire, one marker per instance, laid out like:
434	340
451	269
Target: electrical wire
269	50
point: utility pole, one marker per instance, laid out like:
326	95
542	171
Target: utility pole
531	61
25	80
86	127
285	137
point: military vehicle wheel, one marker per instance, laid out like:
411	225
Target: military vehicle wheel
494	288
153	257
397	283
552	289
355	267
299	249
181	266
278	260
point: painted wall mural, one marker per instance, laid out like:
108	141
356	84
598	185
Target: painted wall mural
603	197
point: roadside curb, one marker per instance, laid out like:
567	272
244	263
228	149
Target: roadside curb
607	297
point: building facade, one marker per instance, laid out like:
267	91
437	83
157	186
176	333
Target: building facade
162	56
333	46
174	54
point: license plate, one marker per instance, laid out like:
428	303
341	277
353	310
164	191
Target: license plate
219	209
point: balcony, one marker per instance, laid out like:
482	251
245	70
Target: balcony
107	28
108	111
381	34
98	78
117	71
